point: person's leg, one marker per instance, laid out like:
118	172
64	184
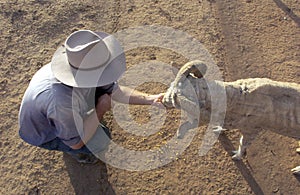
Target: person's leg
100	140
92	151
97	144
82	155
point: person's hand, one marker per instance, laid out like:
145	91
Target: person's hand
103	105
157	100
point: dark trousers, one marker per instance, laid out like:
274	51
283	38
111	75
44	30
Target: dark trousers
96	144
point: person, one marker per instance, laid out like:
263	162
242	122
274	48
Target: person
66	98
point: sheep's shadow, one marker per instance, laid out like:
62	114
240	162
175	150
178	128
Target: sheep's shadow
288	11
297	177
88	179
228	146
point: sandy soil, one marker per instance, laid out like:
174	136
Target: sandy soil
247	38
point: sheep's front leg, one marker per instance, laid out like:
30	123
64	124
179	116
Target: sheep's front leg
238	154
296	170
218	129
183	129
298	149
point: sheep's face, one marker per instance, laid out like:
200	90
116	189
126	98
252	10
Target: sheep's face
190	91
193	89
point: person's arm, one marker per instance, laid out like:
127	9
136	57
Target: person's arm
91	122
129	96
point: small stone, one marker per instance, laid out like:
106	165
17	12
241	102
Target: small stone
275	190
129	10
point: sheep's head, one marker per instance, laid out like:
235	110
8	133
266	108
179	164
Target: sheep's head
181	93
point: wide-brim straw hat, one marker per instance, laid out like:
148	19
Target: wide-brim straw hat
89	59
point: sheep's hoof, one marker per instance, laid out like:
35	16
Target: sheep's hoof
296	170
236	156
218	129
180	135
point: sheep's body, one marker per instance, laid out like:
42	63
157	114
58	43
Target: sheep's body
252	104
261	103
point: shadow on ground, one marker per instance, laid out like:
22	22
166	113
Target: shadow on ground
228	146
288	11
91	179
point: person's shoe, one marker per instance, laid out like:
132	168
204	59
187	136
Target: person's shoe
84	158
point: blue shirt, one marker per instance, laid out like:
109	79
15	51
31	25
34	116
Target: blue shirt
50	109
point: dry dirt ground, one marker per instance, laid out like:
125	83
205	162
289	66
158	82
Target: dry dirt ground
246	38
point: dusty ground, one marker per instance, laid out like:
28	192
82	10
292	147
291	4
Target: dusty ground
247	38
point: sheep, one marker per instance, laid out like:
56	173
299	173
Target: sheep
253	104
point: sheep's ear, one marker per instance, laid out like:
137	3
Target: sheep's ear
175	67
196	72
196	68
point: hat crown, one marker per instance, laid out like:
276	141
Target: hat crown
86	50
89	59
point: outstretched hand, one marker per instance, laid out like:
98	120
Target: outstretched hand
157	100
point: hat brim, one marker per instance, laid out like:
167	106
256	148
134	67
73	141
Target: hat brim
96	77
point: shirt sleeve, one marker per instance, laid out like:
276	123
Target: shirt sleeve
107	89
115	87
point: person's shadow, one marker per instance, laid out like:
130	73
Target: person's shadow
88	179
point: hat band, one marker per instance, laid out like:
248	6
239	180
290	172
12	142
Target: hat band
88	69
